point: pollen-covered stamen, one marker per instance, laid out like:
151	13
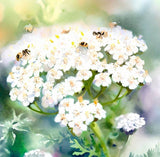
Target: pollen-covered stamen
51	40
80	99
112	46
63	117
57	36
95	101
53	72
87	113
11	75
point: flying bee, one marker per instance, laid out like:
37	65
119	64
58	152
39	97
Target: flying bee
24	52
83	44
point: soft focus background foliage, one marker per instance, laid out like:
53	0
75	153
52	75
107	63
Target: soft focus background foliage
140	16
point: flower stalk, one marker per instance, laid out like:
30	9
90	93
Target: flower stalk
40	110
97	131
116	98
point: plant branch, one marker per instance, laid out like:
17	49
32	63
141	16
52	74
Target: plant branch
116	98
97	131
40	111
89	83
100	92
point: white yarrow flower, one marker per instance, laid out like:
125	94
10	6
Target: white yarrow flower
102	79
78	115
129	122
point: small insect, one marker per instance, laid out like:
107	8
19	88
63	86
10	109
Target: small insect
83	44
24	52
104	33
65	31
100	35
19	56
97	34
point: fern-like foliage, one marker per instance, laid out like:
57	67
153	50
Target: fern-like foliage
81	149
155	152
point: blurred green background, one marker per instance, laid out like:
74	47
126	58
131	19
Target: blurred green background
140	16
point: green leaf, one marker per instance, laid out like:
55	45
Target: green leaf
79	153
11	137
6	151
82	149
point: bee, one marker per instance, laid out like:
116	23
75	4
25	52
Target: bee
104	33
19	56
97	34
24	52
83	44
100	35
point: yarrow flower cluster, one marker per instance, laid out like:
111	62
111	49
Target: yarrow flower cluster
59	63
37	153
61	52
25	84
130	122
80	114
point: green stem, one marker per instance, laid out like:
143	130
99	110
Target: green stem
115	99
40	111
126	92
80	94
34	109
97	131
100	92
89	83
35	103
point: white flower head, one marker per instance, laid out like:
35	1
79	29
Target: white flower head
102	79
78	115
73	85
61	60
84	74
129	122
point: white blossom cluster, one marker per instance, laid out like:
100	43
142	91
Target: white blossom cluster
129	122
58	64
37	153
80	114
26	83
